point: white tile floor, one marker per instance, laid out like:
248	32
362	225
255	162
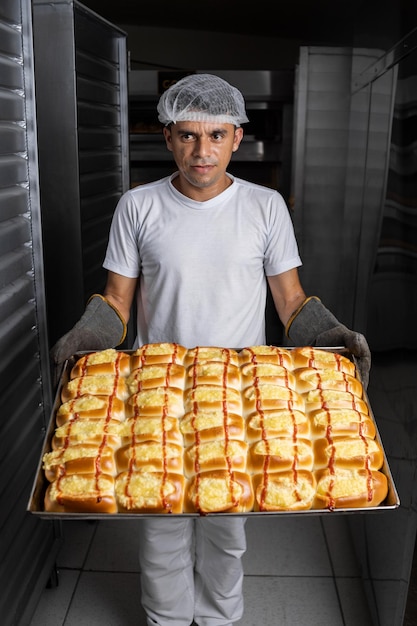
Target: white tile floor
299	571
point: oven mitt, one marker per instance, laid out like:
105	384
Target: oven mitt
100	327
314	325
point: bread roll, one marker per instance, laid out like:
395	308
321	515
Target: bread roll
349	452
108	361
321	359
152	428
350	488
91	407
279	423
284	491
211	398
213	373
266	354
199	354
219	491
150	492
280	454
309	378
150	456
83	458
159	375
152	353
271	397
81	493
99	385
267	373
332	399
157	401
94	431
213	455
211	425
341	422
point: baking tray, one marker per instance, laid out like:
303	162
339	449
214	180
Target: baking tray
35	505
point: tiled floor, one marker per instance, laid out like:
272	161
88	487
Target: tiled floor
299	571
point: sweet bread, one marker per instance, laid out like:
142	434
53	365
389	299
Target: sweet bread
201	354
284	491
270	397
308	378
82	493
91	407
95	431
158	375
267	373
212	397
280	454
213	455
149	492
349	452
150	456
96	385
277	423
219	491
340	422
350	488
82	458
333	399
150	428
211	425
153	353
266	354
206	430
108	361
317	358
156	401
213	373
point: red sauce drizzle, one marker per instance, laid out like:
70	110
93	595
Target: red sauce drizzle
197	435
369	480
165	504
267	457
226	355
103	443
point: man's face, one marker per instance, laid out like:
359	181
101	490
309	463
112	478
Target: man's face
202	152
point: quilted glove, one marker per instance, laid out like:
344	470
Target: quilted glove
101	326
314	325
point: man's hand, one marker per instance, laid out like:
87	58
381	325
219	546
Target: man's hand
100	327
314	325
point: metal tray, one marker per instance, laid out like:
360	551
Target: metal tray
36	507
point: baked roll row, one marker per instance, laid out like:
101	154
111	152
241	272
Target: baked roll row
170	365
102	453
218	491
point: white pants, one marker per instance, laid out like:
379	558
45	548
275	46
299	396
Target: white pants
191	569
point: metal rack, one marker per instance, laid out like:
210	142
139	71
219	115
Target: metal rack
82	107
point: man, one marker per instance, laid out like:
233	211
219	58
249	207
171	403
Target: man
198	249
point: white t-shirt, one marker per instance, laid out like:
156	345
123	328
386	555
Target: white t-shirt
202	265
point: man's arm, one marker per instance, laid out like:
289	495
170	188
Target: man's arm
120	291
287	293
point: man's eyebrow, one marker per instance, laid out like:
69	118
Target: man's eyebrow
215	131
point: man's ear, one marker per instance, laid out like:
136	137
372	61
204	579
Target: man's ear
237	138
168	138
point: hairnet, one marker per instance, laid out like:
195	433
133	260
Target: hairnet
202	98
